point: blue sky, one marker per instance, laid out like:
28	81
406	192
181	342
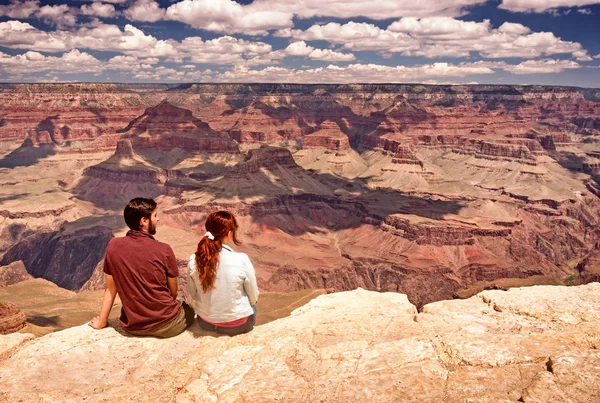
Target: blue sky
553	42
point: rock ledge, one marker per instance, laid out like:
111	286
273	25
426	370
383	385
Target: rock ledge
537	344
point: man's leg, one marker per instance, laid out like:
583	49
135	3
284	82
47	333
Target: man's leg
189	314
171	329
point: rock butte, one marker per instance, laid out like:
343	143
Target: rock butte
456	186
537	344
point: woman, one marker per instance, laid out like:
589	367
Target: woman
222	282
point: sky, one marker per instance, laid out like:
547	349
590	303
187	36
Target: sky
548	42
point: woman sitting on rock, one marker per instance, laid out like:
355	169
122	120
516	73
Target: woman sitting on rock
222	282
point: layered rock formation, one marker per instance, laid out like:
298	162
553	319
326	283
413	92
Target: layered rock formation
13	273
165	127
11	318
66	257
525	345
329	136
424	190
120	178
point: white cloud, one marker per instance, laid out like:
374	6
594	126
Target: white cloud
300	48
228	16
21	35
441	28
111	1
582	56
542	66
222	50
442	37
358	36
540	6
32	62
374	9
374	73
103	37
351	74
18	9
133	41
331	56
514	29
145	10
98	10
60	15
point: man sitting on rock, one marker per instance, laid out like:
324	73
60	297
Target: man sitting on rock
144	273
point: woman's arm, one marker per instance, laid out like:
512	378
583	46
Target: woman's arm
191	282
250	282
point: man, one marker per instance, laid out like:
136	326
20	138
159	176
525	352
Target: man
144	273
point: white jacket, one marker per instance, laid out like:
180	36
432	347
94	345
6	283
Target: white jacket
235	288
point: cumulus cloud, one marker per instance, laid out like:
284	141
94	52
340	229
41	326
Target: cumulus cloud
350	74
540	6
20	9
542	66
111	1
374	9
358	36
133	41
374	73
30	62
60	15
442	37
261	16
223	50
104	37
145	10
98	10
228	16
300	48
582	56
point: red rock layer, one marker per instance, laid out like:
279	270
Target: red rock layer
267	157
329	136
165	127
11	318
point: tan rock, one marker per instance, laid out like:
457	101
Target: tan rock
10	342
13	273
538	345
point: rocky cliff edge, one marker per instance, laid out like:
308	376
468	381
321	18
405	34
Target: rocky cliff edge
537	344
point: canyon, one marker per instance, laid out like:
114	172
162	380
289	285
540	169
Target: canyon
422	190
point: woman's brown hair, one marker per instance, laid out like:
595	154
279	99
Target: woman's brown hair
218	224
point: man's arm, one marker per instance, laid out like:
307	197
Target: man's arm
172	283
108	300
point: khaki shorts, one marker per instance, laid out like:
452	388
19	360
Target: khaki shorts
173	328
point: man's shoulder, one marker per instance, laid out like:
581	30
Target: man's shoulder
128	240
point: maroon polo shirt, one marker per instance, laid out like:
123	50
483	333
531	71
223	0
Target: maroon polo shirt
140	265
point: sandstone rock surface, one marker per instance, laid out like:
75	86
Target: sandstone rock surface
537	344
13	273
11	318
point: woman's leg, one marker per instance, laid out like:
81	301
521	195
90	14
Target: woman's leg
245	328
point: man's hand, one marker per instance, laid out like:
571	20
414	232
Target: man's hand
96	324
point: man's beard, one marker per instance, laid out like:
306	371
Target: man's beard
151	228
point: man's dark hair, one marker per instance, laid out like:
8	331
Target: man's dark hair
137	209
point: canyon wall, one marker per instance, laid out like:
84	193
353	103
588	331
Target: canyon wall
424	190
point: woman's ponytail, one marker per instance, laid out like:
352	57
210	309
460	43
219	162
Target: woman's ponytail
218	225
